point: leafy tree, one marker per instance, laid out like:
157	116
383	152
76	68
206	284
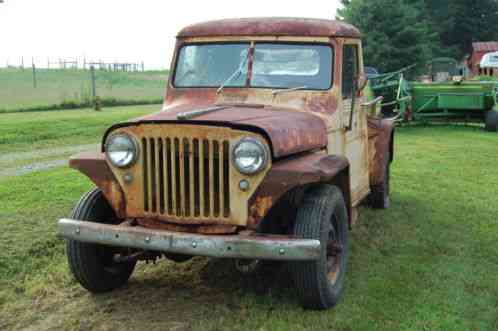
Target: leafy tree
400	32
461	22
395	32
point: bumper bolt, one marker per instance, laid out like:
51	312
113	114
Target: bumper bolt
194	244
281	251
77	231
147	240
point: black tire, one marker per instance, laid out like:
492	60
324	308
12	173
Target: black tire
92	265
322	216
491	121
178	258
380	196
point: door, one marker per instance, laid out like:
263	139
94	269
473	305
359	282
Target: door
354	122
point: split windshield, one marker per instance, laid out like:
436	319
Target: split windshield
274	65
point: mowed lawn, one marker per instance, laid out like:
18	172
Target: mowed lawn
24	132
428	263
57	86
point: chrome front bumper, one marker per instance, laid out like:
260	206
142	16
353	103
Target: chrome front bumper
262	247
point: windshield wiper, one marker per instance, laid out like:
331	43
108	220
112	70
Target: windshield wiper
234	75
292	89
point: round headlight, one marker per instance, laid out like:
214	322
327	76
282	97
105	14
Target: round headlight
250	156
121	150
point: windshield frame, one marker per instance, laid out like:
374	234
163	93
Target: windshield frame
252	45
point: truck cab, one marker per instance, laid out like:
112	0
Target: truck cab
264	148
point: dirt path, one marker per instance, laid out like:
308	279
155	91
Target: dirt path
43	153
13	165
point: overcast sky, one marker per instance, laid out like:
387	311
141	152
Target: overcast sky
122	30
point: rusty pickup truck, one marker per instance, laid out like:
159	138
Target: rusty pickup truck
263	150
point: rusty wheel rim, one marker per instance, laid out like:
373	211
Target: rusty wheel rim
334	252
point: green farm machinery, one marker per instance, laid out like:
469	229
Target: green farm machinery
453	99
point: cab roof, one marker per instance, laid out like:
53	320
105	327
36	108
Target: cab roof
271	26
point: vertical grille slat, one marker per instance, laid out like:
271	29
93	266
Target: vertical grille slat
202	191
152	182
222	177
186	177
181	156
211	176
158	176
191	178
145	162
173	176
166	175
226	177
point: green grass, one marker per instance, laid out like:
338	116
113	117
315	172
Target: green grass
428	263
36	130
69	88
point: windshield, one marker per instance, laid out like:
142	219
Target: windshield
274	65
211	65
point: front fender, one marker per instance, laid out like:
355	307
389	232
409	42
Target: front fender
95	167
289	174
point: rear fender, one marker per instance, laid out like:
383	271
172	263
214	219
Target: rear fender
381	148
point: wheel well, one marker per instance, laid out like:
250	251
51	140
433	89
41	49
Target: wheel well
280	218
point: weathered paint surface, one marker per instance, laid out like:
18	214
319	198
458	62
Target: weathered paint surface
95	166
380	147
294	173
288	132
314	136
272	26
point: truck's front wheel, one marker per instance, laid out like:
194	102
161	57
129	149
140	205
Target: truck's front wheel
322	216
94	266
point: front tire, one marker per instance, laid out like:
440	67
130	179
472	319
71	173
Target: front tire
93	265
491	121
322	216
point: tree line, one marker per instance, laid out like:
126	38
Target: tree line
398	33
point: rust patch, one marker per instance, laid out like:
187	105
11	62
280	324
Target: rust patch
289	132
95	167
289	174
271	27
258	210
201	229
379	140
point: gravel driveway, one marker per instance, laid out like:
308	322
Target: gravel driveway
48	158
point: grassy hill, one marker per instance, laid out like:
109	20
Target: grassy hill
72	88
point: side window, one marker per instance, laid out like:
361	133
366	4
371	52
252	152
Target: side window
349	69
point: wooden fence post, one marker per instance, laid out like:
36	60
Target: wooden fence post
34	74
94	87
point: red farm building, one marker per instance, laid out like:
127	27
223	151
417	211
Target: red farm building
479	49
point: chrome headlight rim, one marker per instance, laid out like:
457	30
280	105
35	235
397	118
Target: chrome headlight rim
260	144
134	142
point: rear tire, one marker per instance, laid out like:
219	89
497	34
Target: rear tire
322	216
93	265
491	121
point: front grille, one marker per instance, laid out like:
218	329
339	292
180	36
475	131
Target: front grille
186	178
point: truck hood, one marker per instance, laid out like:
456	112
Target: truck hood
288	132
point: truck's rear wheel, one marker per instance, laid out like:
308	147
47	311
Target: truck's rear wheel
380	196
94	266
491	121
322	216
